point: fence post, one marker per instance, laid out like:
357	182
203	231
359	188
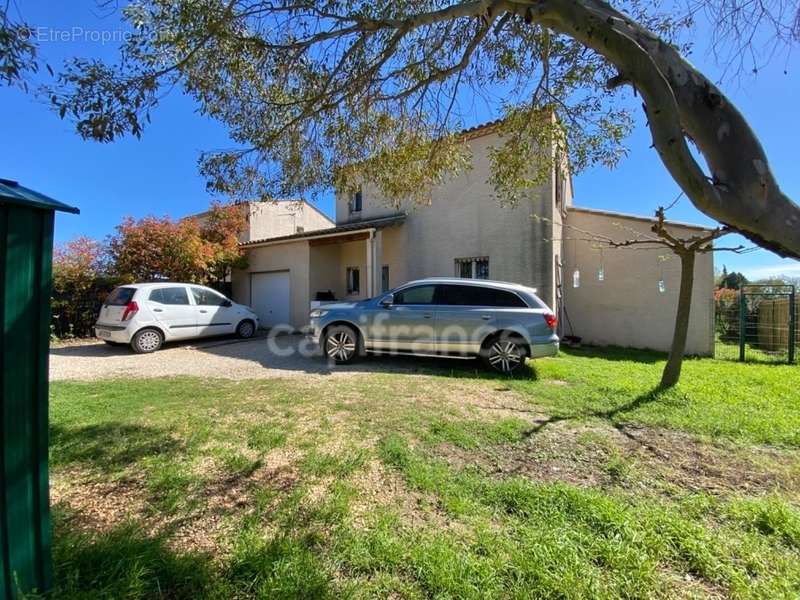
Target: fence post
742	307
792	326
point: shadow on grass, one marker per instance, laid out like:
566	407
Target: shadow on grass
127	562
109	445
124	562
611	415
616	353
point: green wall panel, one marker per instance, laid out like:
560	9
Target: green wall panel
26	238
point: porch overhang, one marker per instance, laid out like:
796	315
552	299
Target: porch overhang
347	232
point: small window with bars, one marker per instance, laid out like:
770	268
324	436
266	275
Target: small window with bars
473	268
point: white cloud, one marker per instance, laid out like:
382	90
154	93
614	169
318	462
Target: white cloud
790	268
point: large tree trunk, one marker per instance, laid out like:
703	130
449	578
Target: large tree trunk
672	370
682	103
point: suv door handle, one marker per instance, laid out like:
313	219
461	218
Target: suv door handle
203	311
486	317
427	316
158	310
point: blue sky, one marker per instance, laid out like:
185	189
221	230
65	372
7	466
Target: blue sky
158	174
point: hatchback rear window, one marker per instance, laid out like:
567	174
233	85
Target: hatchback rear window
120	296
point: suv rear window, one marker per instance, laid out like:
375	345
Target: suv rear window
475	295
120	296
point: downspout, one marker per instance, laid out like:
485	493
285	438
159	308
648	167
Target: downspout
371	263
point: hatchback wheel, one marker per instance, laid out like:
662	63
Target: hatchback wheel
341	344
504	354
246	329
146	341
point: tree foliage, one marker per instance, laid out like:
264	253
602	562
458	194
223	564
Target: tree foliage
220	229
197	249
78	263
17	51
733	281
81	279
159	248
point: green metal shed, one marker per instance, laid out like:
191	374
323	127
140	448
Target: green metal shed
26	254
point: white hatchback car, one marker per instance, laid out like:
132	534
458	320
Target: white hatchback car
145	315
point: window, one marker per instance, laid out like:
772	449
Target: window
473	268
203	297
421	294
169	295
300	229
473	295
355	201
120	296
559	187
385	278
353	280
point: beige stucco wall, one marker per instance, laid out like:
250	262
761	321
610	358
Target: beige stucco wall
395	255
294	257
464	220
286	217
626	309
324	270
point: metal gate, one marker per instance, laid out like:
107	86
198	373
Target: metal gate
762	326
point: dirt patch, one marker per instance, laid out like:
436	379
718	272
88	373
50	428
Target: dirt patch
691	463
634	457
97	505
213	508
382	488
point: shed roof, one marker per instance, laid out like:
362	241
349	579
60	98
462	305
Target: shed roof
12	192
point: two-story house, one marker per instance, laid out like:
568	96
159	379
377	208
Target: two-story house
617	297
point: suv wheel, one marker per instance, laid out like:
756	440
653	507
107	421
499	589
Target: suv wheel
146	341
504	354
246	329
341	344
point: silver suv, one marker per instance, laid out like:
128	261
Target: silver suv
502	323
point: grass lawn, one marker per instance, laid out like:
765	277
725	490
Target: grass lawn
572	480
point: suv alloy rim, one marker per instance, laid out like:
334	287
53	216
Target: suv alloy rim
505	356
246	329
340	346
149	341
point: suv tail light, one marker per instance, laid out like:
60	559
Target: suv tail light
131	308
551	320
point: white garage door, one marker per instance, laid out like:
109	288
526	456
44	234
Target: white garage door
269	297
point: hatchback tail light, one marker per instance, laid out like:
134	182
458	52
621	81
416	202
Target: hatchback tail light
131	308
551	320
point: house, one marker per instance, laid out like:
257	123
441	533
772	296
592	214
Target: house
275	218
373	247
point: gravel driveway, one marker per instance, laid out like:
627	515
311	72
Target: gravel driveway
282	356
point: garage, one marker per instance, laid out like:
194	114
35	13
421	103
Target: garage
270	297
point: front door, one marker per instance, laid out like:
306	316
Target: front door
407	325
171	307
